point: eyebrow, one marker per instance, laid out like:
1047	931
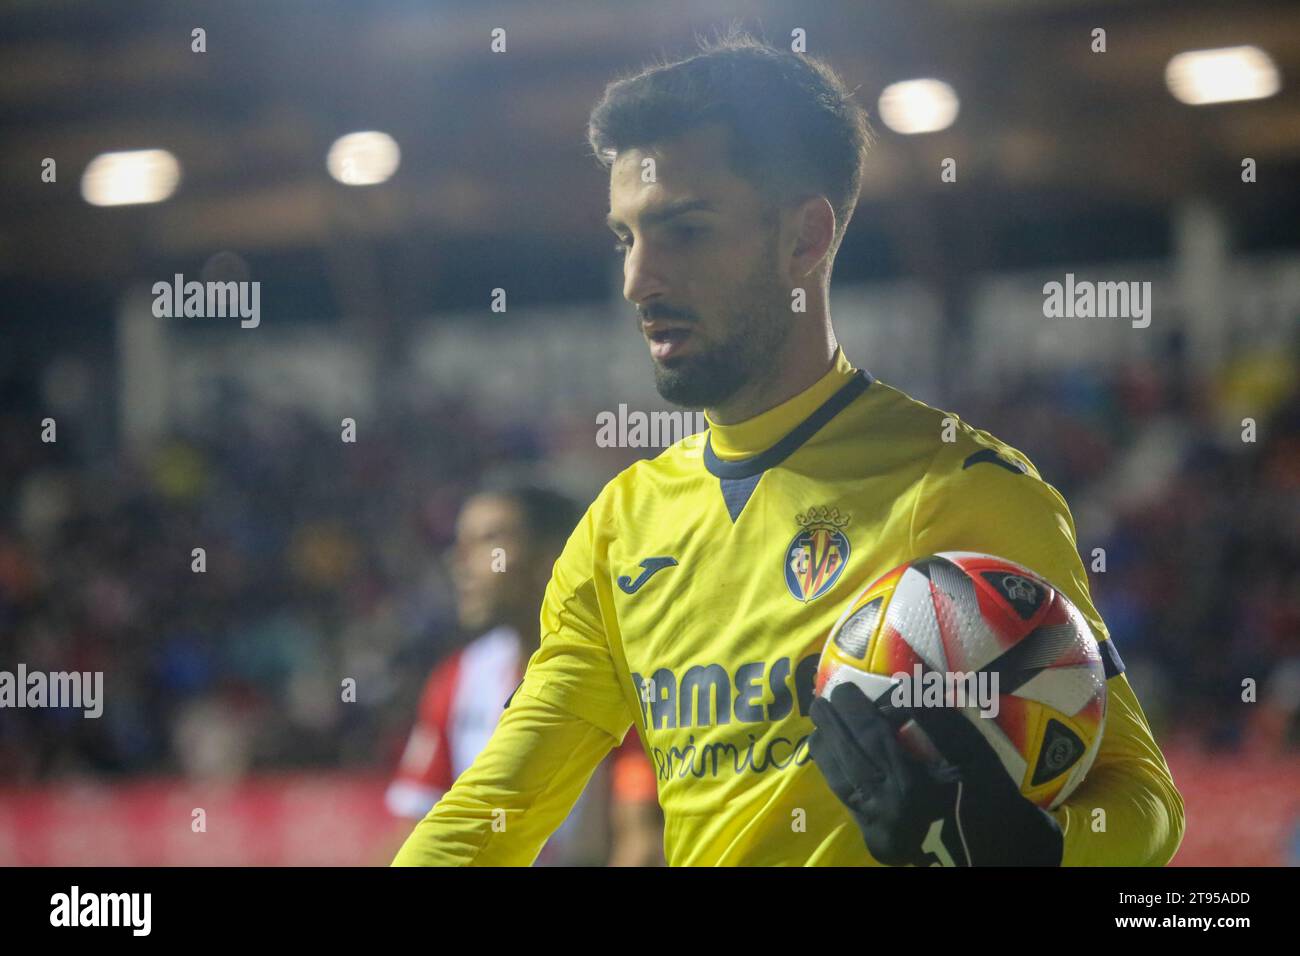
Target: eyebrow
668	211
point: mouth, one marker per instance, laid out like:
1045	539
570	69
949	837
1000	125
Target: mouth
667	341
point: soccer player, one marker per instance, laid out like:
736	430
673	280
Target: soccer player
497	594
694	597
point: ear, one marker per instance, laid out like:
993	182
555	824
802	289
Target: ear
814	220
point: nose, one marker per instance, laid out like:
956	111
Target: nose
643	276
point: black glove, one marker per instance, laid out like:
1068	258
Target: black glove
965	811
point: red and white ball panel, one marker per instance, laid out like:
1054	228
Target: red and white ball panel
965	613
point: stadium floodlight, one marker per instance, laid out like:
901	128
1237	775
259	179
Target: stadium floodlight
1223	75
918	106
363	159
128	178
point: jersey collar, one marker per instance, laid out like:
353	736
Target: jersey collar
756	444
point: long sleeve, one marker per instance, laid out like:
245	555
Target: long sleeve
567	714
1142	818
970	502
517	792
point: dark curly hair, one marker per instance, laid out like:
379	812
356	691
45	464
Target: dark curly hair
794	128
549	515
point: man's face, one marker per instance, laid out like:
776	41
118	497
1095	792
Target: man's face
703	268
487	597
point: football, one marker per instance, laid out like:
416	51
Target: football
984	634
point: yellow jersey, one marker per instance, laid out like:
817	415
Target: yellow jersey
693	599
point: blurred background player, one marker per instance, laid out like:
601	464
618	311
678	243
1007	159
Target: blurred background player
507	539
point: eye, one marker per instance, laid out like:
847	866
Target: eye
622	245
686	233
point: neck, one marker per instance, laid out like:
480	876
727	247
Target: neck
757	433
794	372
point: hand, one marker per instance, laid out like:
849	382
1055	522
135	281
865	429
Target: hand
967	812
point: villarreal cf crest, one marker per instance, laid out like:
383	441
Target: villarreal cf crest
817	555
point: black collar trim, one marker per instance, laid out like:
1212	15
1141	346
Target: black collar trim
787	446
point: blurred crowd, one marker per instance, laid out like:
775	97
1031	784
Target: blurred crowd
323	559
1186	497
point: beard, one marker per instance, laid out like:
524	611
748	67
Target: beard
755	331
